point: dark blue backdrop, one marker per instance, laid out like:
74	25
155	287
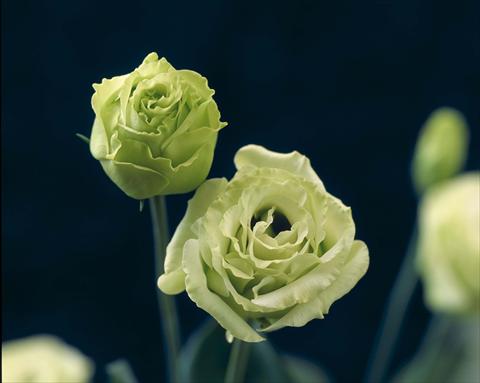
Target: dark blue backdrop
347	83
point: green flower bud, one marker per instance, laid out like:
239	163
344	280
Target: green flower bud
44	358
449	245
441	148
269	249
155	129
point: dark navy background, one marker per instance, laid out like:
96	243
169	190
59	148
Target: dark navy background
347	83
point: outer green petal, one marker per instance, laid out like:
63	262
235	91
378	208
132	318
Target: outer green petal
173	281
136	181
197	289
198	82
99	145
188	175
181	179
352	271
104	91
257	156
183	146
101	101
339	228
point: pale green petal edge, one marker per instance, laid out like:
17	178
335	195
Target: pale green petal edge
306	288
257	156
173	280
353	270
197	289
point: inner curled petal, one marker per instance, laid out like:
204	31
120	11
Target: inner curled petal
275	221
155	99
264	247
266	285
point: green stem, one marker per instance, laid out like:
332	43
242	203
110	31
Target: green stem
433	350
166	304
443	352
237	363
393	316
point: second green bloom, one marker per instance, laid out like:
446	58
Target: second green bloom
269	249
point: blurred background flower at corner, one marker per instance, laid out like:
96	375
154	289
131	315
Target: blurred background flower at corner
44	358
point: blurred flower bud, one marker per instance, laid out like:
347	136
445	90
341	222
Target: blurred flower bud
449	245
441	148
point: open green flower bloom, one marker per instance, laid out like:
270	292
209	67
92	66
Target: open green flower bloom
155	129
449	245
269	249
44	358
441	148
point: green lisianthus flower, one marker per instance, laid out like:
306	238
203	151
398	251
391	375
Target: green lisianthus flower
269	249
44	358
155	129
449	245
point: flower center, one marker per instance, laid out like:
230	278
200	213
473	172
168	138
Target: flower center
152	97
279	221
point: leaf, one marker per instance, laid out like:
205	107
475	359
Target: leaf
196	361
120	371
205	357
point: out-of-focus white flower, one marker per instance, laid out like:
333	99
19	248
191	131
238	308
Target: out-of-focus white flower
44	359
449	245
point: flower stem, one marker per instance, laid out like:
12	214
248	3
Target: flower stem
394	313
237	363
433	362
166	304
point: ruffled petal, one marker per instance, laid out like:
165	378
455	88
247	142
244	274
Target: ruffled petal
257	156
172	281
105	91
351	272
197	289
301	290
197	83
